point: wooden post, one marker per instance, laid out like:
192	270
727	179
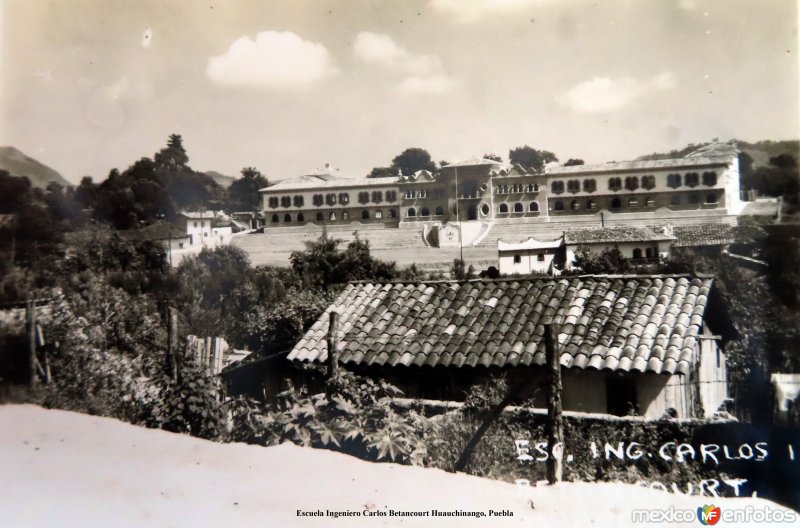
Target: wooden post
172	343
555	421
30	326
333	353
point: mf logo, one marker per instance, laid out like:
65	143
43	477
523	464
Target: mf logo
708	515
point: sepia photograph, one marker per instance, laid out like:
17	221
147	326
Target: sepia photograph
422	263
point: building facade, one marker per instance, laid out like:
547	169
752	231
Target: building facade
704	184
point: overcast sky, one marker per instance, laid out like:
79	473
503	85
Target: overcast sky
285	86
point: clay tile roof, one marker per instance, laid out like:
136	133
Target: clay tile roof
703	235
639	323
616	234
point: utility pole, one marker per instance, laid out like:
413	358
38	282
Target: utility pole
458	219
30	326
333	352
172	343
555	420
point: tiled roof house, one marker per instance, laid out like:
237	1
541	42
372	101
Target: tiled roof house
627	343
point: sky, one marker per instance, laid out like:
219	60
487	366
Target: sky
286	86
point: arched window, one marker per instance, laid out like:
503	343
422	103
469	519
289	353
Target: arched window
317	200
439	211
557	187
614	184
616	203
320	218
590	204
574	205
631	183
301	217
517	259
574	186
649	201
332	216
344	198
518	208
710	178
298	200
637	253
675	199
485	209
365	215
589	185
378	215
648	182
673	181
533	207
559	205
345	215
425	212
273	202
694	199
711	198
411	212
287	217
286	201
330	199
392	213
503	207
691	179
377	196
633	202
275	219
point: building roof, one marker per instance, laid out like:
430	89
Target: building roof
716	148
161	231
615	234
625	323
313	182
639	165
531	243
199	215
703	235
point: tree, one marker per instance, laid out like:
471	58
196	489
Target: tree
493	157
608	261
382	172
530	158
573	161
173	156
243	193
412	160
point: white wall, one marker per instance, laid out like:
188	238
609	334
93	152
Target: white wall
529	262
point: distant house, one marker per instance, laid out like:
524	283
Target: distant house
530	256
646	345
639	243
197	225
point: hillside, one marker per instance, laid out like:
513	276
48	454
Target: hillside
17	163
760	151
70	469
221	179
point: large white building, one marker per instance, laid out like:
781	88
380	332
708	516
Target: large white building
700	188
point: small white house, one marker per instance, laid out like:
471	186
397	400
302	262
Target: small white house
530	256
197	226
640	243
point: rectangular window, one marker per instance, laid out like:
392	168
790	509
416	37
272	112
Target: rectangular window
673	181
621	396
710	178
573	186
691	179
